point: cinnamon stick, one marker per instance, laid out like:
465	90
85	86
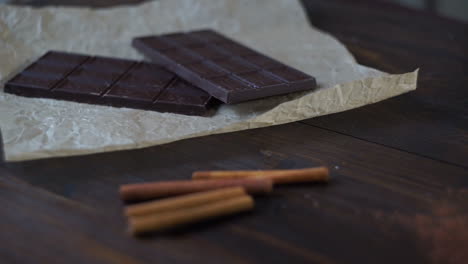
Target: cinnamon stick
319	174
184	201
170	219
145	191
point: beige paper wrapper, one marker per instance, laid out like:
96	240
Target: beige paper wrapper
41	128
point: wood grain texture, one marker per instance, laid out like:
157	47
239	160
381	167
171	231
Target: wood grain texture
431	121
302	223
67	210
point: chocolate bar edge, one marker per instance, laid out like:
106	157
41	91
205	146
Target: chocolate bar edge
174	108
181	72
29	91
217	92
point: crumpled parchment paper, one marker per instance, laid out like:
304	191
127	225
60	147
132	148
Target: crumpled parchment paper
40	128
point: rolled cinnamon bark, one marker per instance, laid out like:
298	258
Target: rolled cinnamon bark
146	191
319	174
184	201
170	219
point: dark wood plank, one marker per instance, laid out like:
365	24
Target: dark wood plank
41	227
433	120
354	214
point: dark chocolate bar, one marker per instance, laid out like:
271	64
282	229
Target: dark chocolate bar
109	81
222	67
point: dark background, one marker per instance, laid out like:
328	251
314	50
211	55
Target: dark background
457	9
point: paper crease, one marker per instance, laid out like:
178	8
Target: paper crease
40	128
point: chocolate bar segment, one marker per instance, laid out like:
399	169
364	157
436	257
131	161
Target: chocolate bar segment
225	69
109	81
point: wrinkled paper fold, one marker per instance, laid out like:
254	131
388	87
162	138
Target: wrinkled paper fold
39	128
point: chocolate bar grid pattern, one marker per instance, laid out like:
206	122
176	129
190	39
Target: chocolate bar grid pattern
108	81
224	68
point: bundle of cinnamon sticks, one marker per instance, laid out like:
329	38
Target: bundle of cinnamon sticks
209	194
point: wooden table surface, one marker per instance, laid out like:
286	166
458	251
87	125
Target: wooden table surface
399	167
